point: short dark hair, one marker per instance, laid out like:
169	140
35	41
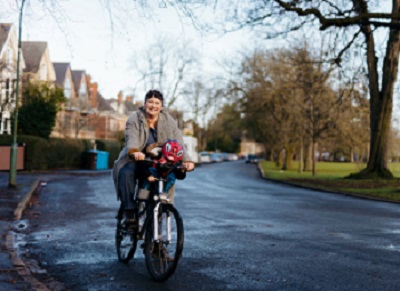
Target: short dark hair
154	93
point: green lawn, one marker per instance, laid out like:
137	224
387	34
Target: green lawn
330	177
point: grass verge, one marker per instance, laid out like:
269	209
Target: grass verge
330	177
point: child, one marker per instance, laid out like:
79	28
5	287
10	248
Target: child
165	158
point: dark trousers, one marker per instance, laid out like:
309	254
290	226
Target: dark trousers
127	181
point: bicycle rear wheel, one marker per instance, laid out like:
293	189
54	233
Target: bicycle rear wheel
162	255
125	240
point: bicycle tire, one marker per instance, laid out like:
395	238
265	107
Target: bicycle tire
161	262
125	241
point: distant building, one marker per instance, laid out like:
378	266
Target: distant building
108	116
38	66
81	90
8	74
65	81
250	147
73	120
190	143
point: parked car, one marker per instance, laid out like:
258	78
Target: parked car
204	157
216	157
252	159
233	157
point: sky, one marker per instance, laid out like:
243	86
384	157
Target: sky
103	41
91	38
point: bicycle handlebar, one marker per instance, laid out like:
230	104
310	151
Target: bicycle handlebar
179	166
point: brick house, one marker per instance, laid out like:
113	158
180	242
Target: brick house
8	74
106	118
81	124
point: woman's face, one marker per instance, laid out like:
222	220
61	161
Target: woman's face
153	106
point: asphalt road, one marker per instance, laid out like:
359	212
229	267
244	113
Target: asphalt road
241	233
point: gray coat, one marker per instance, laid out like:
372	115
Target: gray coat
136	135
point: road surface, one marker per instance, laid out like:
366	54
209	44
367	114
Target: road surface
241	233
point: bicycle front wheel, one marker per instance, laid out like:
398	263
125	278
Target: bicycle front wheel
162	254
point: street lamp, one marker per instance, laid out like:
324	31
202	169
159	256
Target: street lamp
13	159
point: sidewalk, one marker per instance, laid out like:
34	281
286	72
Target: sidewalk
14	275
11	199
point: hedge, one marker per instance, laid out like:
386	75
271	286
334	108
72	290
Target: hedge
57	153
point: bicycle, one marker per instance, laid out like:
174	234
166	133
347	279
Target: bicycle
161	226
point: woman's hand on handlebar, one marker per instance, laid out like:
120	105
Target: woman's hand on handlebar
137	156
189	166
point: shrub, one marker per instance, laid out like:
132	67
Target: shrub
59	153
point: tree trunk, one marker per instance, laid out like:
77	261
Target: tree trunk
307	157
281	158
351	154
314	149
288	158
301	148
381	101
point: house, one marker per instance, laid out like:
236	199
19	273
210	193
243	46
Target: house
81	124
81	89
250	147
103	118
190	143
123	106
65	81
72	121
8	74
38	66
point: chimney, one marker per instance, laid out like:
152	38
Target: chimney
93	91
120	97
129	99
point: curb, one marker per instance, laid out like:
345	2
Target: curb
11	237
22	204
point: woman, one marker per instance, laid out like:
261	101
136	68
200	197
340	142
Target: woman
150	124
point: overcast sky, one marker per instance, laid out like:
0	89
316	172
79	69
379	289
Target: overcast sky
91	38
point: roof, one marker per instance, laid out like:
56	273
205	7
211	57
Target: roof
77	78
130	106
103	104
5	29
61	71
33	52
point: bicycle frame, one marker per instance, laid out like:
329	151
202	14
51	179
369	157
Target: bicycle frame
162	198
159	197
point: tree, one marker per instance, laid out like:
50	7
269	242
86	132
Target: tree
37	115
351	128
366	22
348	21
287	100
166	65
225	130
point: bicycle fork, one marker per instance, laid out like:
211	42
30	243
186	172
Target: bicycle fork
162	197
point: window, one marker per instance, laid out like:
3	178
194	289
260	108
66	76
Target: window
67	88
4	126
43	72
8	91
9	57
82	90
82	95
